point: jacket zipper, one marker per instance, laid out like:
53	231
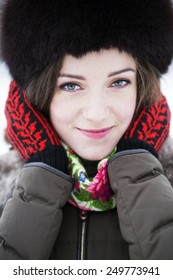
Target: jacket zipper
83	218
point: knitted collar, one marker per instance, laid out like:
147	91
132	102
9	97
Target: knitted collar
90	193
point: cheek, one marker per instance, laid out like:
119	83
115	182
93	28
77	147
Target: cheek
57	116
127	113
59	113
126	110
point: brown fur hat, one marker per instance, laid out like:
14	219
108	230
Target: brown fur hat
37	33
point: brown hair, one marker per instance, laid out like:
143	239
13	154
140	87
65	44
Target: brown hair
41	89
148	85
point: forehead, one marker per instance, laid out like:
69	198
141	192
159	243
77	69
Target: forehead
103	60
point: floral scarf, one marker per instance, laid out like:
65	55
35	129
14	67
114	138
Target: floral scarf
90	193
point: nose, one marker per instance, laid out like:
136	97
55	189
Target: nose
96	108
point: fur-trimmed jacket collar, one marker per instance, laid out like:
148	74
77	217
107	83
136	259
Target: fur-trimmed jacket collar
11	165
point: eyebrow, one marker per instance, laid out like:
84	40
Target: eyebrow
72	76
110	75
121	71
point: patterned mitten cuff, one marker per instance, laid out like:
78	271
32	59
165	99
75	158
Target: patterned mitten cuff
55	156
133	144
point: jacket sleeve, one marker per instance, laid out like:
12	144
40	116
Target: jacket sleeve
31	219
144	204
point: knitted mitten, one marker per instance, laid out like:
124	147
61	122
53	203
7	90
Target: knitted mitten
30	132
149	129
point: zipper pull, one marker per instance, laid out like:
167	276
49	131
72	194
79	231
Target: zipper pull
83	215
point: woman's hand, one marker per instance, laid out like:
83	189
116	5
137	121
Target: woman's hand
30	132
151	127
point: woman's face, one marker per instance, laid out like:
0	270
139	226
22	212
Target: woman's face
94	101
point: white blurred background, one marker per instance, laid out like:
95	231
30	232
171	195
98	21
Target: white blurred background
166	85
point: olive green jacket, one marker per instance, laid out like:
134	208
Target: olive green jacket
37	222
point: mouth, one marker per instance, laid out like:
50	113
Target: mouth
96	133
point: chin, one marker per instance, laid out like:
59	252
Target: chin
93	156
94	152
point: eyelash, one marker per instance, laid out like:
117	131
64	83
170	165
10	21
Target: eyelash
69	84
124	81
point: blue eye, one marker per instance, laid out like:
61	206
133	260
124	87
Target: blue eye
120	83
70	87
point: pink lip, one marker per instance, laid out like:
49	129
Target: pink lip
96	133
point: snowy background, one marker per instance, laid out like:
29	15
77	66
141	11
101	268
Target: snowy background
166	85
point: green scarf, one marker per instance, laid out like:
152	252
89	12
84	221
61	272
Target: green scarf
90	193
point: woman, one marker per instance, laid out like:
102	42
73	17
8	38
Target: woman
92	186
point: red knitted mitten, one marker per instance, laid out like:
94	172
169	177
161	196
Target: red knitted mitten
27	129
152	125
